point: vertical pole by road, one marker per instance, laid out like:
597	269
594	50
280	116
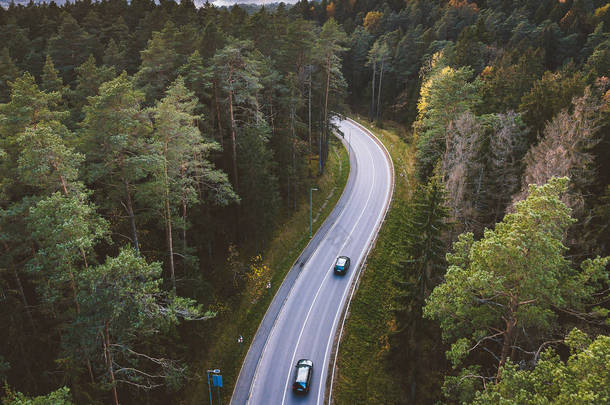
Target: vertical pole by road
311	190
215	371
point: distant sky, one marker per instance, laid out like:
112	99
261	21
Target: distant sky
231	2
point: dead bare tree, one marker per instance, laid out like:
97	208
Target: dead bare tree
463	170
565	149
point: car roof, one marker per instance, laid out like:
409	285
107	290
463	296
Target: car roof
341	260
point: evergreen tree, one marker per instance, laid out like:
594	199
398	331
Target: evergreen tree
259	190
89	78
8	73
237	74
499	292
45	162
584	376
50	80
424	229
418	255
69	47
160	62
197	79
183	163
329	47
59	397
28	106
445	94
122	304
115	130
65	229
114	56
549	95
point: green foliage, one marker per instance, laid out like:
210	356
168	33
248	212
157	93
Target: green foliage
549	95
185	149
50	80
236	68
445	94
45	161
27	106
160	62
67	58
265	84
506	81
8	73
512	279
60	397
196	77
123	300
182	164
259	189
424	227
115	129
65	230
89	78
114	56
583	379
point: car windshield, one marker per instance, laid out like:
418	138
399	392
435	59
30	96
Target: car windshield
341	261
302	372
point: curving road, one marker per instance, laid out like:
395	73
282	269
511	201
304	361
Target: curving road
303	319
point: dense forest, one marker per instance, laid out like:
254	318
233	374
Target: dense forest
143	144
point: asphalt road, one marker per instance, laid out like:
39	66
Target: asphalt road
307	311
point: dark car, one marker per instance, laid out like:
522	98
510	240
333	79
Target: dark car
302	377
341	265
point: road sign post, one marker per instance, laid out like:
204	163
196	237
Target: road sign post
217	382
214	372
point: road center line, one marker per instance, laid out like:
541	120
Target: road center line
340	308
322	284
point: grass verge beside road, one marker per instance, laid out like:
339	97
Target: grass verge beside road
361	375
289	240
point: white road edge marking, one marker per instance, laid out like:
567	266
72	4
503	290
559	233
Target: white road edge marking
340	309
271	333
380	145
321	285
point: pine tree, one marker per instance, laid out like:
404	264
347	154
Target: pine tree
122	304
197	79
8	73
65	229
329	47
45	162
114	56
28	106
69	47
445	94
183	162
160	62
236	72
499	292
50	80
89	78
115	129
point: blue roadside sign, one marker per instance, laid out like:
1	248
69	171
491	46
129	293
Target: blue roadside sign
217	380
